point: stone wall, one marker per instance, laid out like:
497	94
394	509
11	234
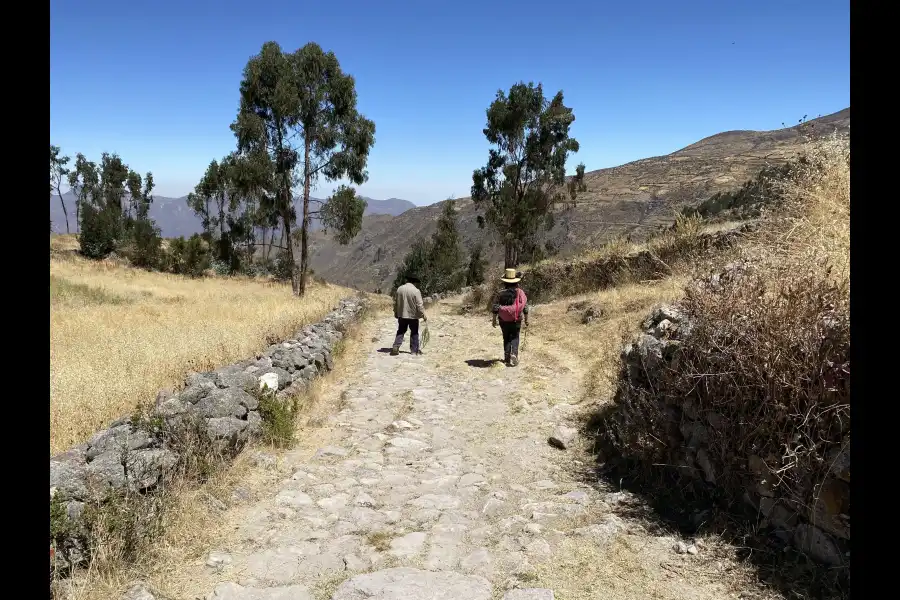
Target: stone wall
224	403
694	440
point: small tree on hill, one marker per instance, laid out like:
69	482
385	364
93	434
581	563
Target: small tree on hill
58	171
343	213
526	169
447	260
438	261
476	267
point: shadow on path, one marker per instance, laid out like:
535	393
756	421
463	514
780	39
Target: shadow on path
480	363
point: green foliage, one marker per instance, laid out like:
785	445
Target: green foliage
416	262
300	104
476	267
750	199
525	173
343	213
145	249
189	257
439	261
98	231
113	204
278	418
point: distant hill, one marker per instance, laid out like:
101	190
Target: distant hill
175	219
633	199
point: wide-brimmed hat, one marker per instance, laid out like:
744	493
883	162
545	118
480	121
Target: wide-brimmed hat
510	276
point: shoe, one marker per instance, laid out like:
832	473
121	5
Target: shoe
395	351
513	360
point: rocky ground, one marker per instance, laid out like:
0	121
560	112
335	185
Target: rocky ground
434	477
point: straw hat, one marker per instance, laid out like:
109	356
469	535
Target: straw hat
510	276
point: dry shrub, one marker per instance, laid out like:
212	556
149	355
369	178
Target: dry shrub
766	361
679	241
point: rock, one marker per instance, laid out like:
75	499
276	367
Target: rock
227	429
331	451
409	545
529	594
194	393
563	437
142	591
365	500
602	533
413	584
229	402
591	313
814	542
293	499
231	378
270	381
121	438
692	549
218	560
233	591
708	472
68	475
146	467
680	548
171	407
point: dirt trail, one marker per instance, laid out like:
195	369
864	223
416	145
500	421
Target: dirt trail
433	478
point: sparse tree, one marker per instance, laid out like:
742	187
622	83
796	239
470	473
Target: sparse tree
304	97
336	137
58	171
447	259
525	175
343	214
476	267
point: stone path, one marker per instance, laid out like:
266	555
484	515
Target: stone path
437	482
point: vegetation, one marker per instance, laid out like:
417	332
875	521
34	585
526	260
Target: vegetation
58	172
438	262
298	121
118	335
768	354
525	174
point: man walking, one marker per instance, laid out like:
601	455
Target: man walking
408	309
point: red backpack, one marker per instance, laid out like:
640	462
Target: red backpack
512	313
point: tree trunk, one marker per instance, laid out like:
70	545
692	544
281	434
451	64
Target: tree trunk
511	258
65	213
304	230
295	281
77	214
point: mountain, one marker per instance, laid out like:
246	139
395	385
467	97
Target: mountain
175	219
632	199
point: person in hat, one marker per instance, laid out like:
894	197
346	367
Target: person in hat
408	309
511	310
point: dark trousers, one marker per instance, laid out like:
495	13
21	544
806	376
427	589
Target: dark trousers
413	326
511	330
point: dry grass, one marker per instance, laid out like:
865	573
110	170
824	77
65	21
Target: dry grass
768	354
197	518
118	335
600	341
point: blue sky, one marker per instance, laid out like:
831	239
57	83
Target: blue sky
157	82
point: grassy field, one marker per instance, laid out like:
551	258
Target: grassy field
118	335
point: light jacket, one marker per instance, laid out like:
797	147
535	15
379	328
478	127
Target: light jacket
408	302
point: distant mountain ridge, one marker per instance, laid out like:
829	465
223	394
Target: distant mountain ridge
175	219
631	200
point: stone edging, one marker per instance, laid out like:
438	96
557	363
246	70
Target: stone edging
223	401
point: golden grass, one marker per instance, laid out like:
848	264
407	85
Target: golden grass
600	341
118	335
198	518
812	229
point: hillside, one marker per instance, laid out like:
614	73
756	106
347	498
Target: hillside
175	219
631	199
